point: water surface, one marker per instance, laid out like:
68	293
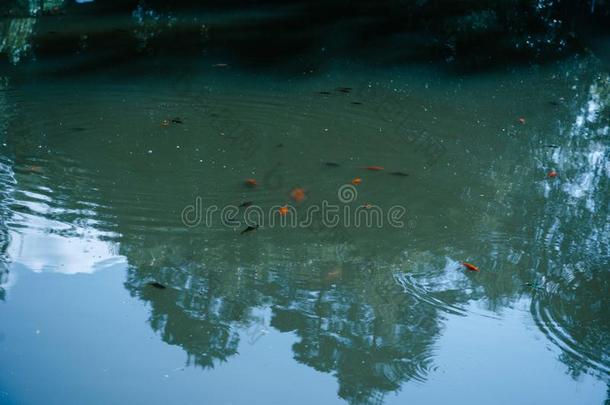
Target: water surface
95	175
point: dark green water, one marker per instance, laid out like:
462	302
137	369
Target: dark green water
93	185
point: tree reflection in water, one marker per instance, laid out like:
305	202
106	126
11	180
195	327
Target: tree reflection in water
352	318
7	182
571	304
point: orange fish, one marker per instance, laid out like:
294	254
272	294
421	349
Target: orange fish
552	173
374	168
334	275
521	120
297	194
251	182
470	266
283	210
356	181
34	169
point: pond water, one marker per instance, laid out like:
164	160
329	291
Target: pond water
508	170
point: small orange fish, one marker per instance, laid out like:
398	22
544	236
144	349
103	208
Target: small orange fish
283	210
552	173
374	168
251	182
470	266
297	194
34	169
521	120
334	275
356	181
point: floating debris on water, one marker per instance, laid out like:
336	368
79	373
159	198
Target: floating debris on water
168	122
521	120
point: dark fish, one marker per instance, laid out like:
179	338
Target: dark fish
344	89
177	120
159	286
332	164
249	229
326	93
279	145
553	103
356	103
401	174
78	129
552	146
246	204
